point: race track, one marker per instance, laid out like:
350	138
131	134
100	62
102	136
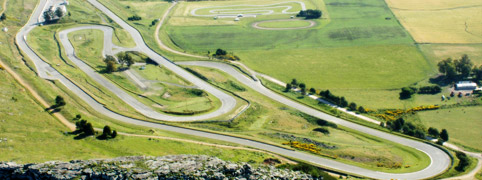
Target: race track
439	159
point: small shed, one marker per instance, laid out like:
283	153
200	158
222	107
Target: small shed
465	85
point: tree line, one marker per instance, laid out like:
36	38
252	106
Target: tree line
51	15
310	14
125	59
407	92
326	95
83	129
459	69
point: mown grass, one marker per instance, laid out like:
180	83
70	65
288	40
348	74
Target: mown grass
462	123
266	117
284	24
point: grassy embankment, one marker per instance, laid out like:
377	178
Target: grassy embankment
33	135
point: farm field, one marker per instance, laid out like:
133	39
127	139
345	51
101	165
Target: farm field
440	21
284	24
356	46
457	121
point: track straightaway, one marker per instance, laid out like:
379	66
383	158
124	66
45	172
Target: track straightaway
439	160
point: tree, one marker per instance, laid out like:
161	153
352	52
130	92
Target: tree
89	129
110	64
303	91
444	135
3	17
48	15
302	85
406	93
125	58
78	117
294	83
464	161
433	132
59	101
220	52
310	14
114	134
478	72
464	65
312	90
106	132
448	68
343	102
59	13
352	106
361	109
288	87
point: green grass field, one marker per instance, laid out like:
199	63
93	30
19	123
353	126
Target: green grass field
457	121
284	24
357	46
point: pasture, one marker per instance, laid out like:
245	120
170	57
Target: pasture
462	123
440	21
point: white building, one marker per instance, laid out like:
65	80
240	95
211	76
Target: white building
465	85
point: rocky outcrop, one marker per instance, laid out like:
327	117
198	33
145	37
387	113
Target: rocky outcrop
140	167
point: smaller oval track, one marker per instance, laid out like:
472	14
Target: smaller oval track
256	24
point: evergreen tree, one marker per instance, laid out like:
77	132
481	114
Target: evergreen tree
444	135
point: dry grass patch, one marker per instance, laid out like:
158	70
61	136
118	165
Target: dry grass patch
440	21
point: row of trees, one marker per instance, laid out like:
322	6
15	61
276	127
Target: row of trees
50	15
84	129
327	95
134	18
310	14
407	92
459	68
410	129
111	63
443	135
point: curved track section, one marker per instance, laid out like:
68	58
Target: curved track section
46	71
256	24
439	160
248	10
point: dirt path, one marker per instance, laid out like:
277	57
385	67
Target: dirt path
471	174
4	7
256	24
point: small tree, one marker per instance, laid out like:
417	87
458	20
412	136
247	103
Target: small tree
3	17
77	117
343	102
288	87
444	135
59	101
48	15
302	85
433	132
361	109
110	64
312	90
221	52
352	106
303	91
89	129
59	13
106	132
406	93
294	82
